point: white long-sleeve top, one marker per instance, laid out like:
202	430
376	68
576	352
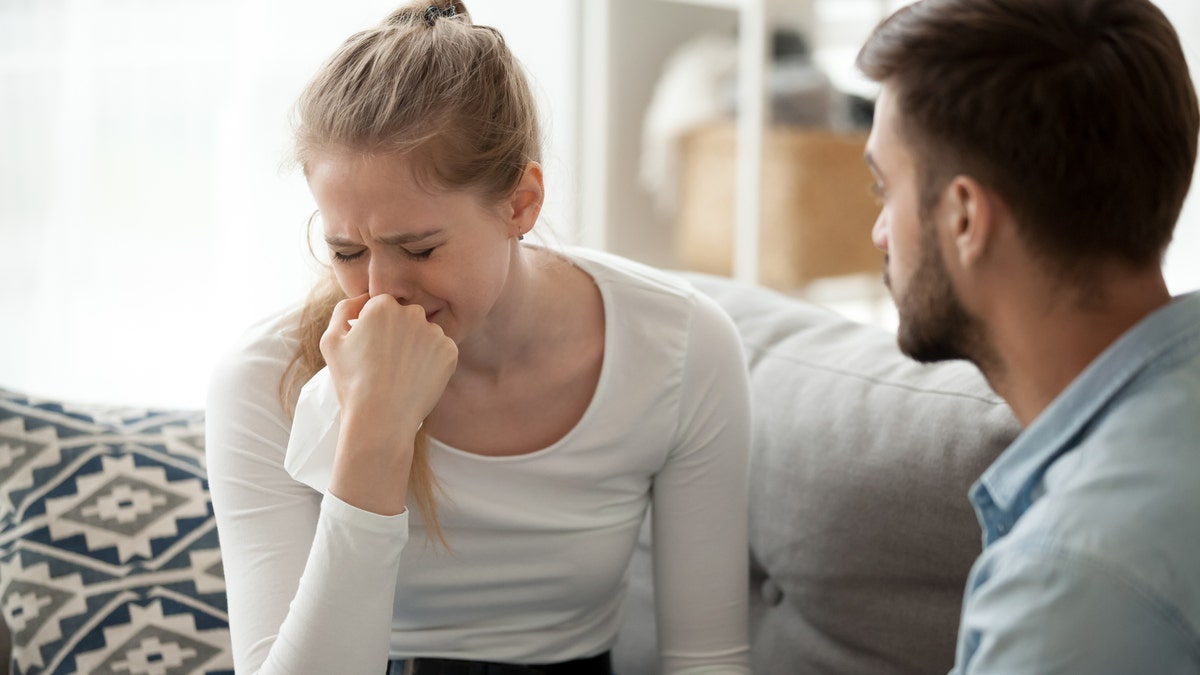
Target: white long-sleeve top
540	541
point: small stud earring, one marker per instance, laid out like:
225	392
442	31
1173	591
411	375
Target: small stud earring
520	237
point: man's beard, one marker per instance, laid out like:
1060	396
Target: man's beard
934	325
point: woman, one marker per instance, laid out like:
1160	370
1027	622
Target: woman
528	404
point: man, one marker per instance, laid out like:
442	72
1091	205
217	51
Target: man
1032	157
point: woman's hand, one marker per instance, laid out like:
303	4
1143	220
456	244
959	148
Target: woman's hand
389	371
392	363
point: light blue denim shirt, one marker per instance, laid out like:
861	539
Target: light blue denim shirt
1091	520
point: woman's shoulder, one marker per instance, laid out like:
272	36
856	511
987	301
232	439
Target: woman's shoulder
658	290
259	355
272	336
619	275
661	314
610	267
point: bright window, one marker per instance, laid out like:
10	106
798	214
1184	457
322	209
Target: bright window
148	216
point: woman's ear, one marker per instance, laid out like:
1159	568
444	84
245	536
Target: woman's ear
525	204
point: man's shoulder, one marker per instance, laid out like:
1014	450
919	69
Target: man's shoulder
1128	487
1109	548
1141	448
1032	597
1121	505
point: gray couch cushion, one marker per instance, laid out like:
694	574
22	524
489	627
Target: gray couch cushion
861	535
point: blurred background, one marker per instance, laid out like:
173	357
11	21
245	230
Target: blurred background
148	212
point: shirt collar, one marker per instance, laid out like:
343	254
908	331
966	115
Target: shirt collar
1007	488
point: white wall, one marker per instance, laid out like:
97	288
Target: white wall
544	36
1183	258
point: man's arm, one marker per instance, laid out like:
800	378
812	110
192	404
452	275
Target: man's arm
1040	610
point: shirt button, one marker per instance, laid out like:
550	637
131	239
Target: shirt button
772	594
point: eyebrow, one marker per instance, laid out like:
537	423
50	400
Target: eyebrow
390	240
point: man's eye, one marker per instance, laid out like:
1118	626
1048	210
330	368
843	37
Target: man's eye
338	256
420	255
877	192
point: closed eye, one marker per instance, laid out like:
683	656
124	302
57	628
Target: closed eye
338	256
423	254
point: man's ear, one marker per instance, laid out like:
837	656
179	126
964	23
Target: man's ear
525	203
968	216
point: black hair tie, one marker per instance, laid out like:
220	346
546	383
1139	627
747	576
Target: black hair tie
433	13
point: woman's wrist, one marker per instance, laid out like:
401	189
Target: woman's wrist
372	464
382	429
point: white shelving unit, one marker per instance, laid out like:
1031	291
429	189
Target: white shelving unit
630	40
751	121
624	45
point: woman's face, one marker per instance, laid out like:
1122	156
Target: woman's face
447	251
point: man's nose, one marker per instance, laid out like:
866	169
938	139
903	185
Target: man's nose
879	234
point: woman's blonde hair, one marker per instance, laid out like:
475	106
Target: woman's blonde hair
428	84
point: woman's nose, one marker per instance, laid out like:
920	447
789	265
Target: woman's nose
389	277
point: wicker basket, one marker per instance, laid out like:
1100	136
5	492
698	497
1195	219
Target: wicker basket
817	209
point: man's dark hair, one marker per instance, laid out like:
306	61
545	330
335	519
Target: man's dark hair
1081	114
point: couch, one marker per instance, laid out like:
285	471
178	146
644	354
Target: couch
861	535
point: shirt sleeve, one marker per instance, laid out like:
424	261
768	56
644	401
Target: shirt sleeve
1037	611
310	579
701	557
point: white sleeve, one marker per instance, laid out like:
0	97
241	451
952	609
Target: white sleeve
310	580
701	557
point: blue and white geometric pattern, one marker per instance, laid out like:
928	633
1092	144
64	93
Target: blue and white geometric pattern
109	561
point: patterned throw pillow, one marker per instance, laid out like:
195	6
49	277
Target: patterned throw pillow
108	547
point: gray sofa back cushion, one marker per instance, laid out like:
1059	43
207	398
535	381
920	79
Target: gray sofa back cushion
861	535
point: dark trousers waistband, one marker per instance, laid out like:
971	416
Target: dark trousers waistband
601	664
